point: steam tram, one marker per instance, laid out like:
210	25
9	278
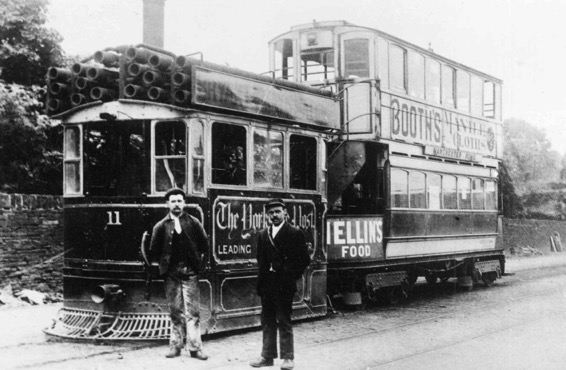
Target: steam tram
139	121
386	157
413	170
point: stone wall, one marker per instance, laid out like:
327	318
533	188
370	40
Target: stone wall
31	242
518	233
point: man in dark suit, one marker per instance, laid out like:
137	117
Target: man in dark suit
180	242
282	257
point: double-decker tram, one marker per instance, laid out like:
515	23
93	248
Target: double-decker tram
386	154
413	171
140	120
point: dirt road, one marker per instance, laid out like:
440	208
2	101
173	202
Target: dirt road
516	324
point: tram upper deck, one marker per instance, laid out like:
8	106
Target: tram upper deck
396	92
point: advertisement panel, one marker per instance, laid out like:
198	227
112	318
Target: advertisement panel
354	238
443	132
238	220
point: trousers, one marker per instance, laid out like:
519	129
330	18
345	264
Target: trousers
183	297
276	315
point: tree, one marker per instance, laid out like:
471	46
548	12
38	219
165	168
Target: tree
530	162
27	47
30	143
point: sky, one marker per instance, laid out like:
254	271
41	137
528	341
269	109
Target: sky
522	42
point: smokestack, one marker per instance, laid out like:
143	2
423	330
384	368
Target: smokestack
153	22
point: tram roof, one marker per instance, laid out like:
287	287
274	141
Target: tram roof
429	53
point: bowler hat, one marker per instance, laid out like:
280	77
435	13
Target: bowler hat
274	203
175	191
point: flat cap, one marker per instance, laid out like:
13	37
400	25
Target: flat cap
274	203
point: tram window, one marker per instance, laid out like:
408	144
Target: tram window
417	198
464	193
416	75
448	76
433	81
72	160
115	158
303	162
433	190
356	58
490	196
268	158
463	90
170	155
478	196
317	66
397	58
197	147
476	96
399	189
449	197
284	59
228	154
489	99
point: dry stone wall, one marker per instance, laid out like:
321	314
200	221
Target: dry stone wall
31	242
519	234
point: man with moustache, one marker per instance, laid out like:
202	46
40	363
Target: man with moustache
180	242
282	257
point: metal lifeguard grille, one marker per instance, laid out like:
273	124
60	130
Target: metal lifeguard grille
85	324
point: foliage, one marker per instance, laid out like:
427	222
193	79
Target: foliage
530	162
512	204
27	47
30	143
532	176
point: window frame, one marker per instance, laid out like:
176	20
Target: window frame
246	148
428	82
445	99
196	157
155	157
463	97
278	73
444	178
283	155
392	76
413	174
287	168
419	93
77	161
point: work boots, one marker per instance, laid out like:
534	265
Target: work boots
199	355
173	352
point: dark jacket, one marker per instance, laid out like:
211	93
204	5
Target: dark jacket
287	255
162	239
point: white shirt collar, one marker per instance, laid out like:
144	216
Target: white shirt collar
275	229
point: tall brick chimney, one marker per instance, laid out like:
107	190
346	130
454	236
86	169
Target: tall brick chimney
153	22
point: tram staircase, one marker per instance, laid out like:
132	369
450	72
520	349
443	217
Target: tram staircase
344	163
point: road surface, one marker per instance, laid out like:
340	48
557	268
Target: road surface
518	323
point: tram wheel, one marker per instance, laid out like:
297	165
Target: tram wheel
396	295
489	278
412	279
431	278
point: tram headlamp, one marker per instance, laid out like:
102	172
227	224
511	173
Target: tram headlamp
106	292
